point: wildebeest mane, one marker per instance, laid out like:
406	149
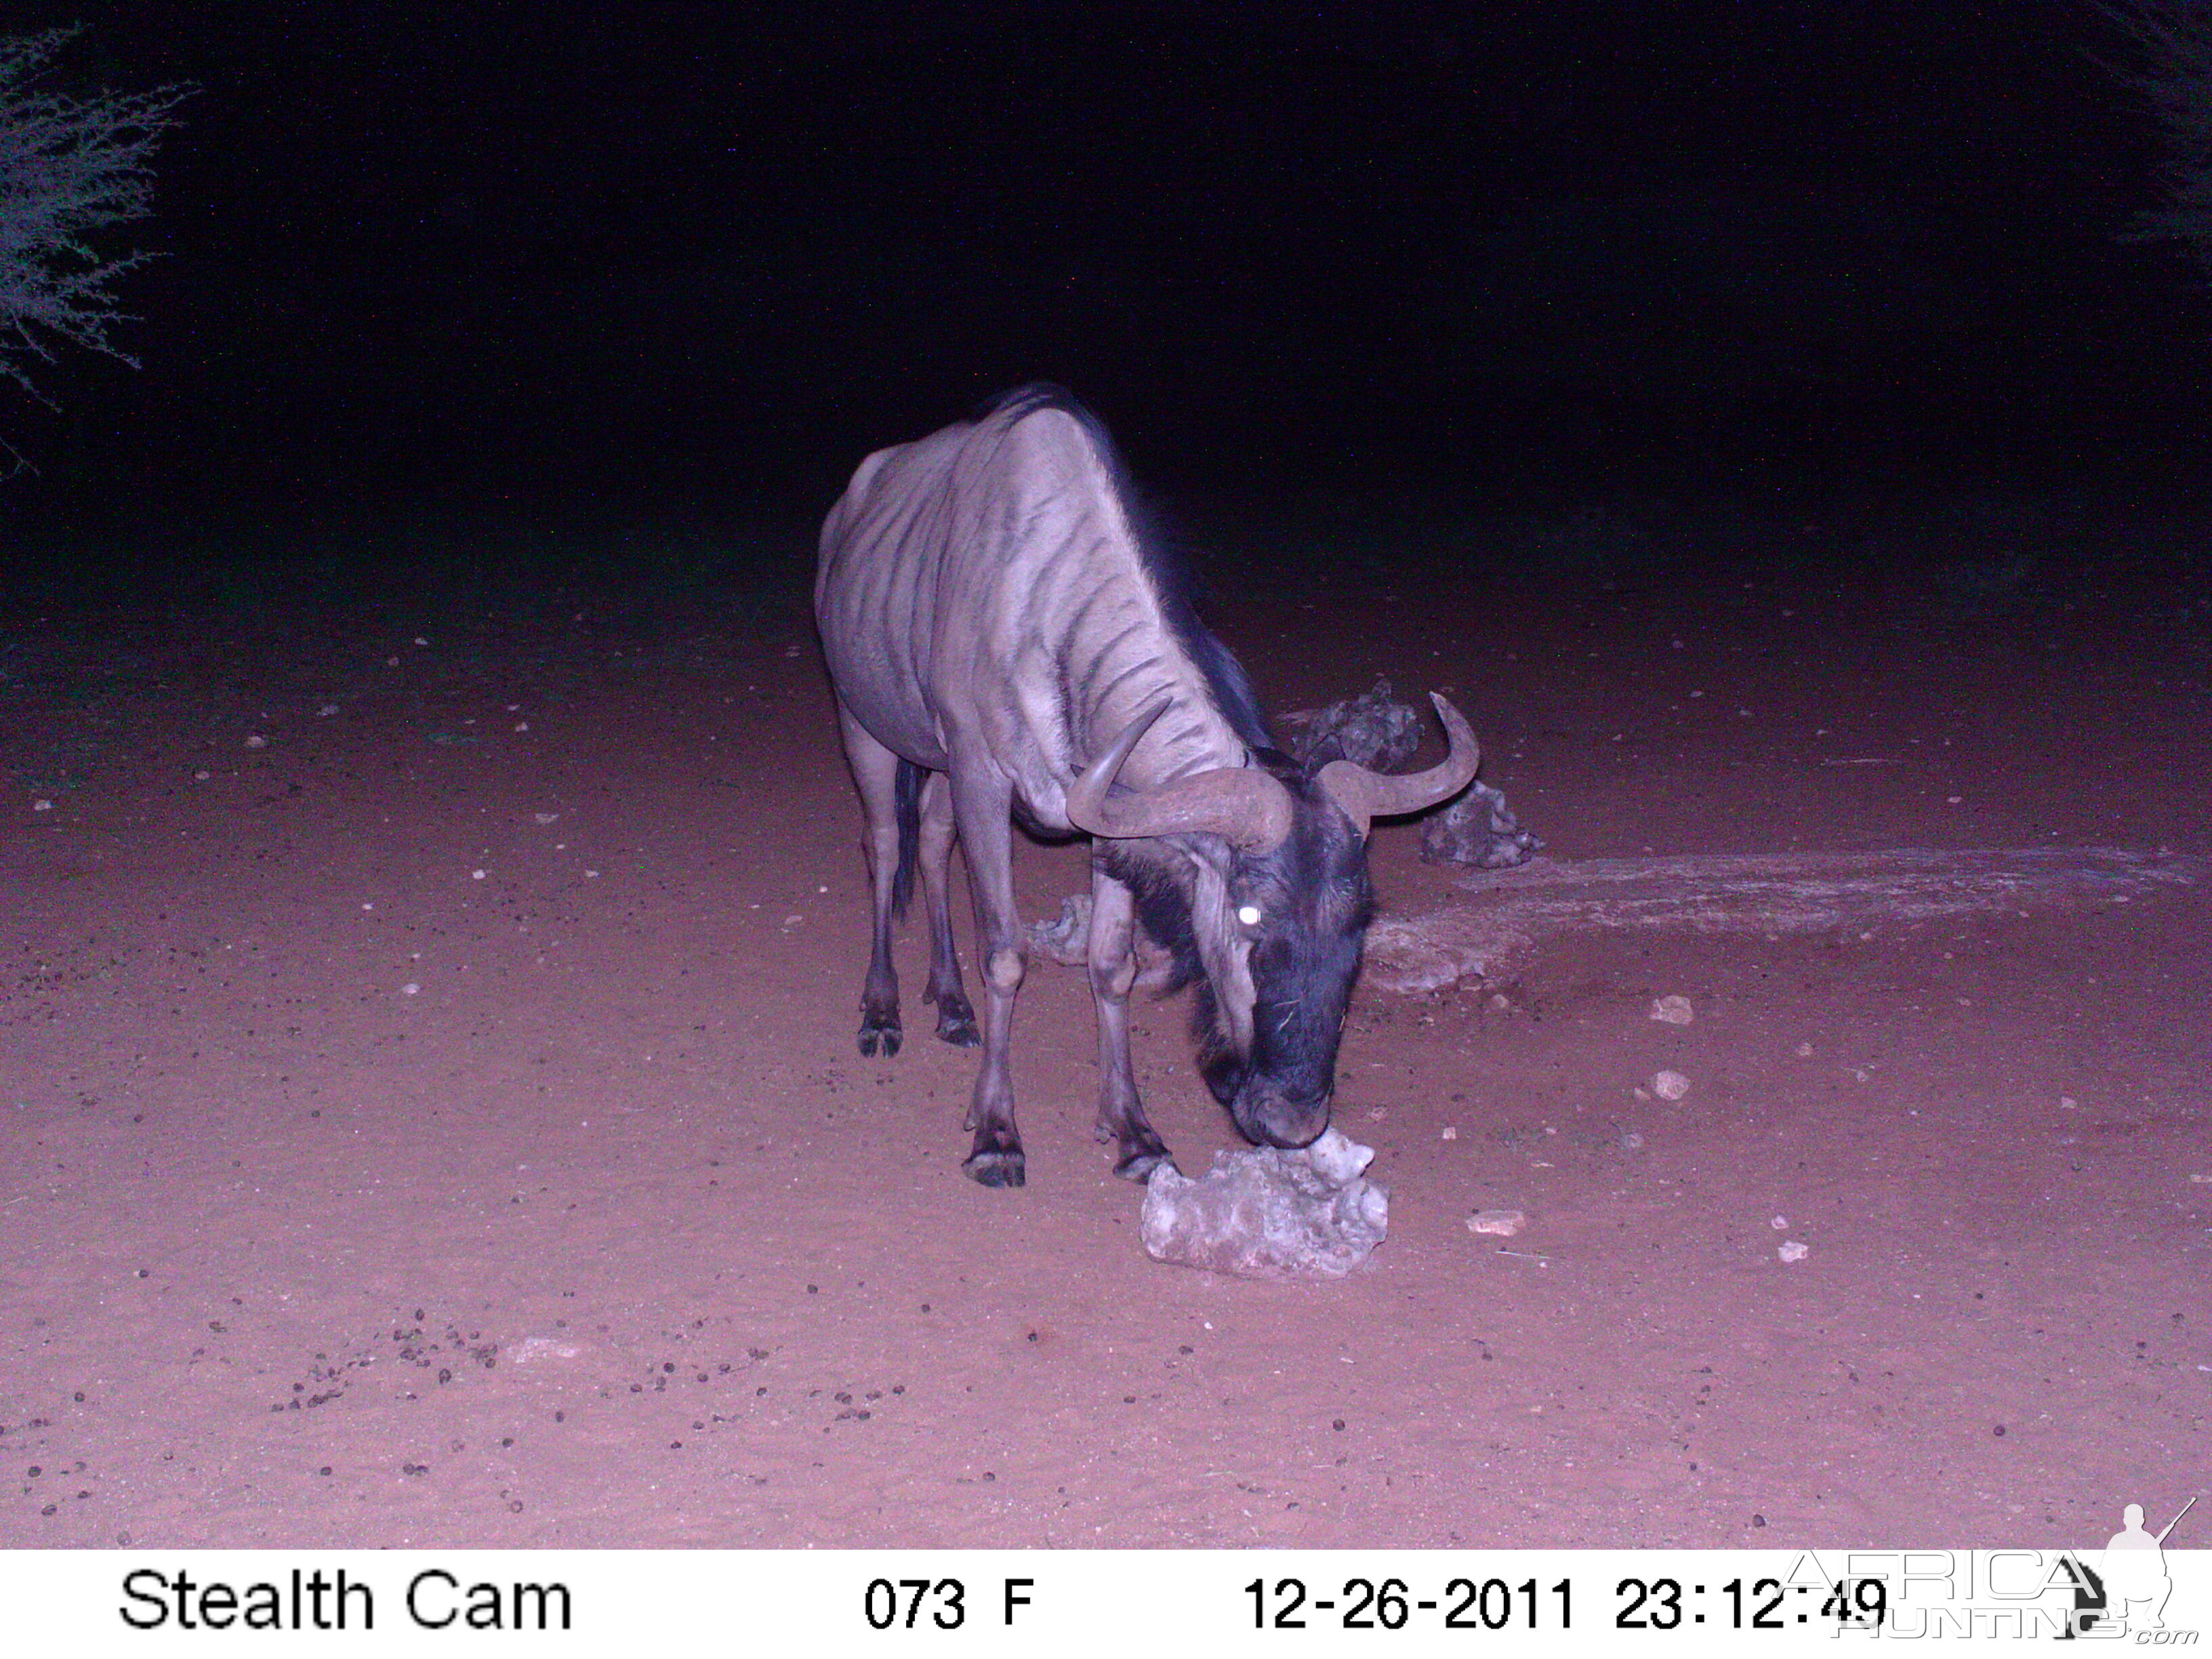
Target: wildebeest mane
1163	559
1162	903
1163	910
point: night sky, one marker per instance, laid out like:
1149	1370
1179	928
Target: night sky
1509	252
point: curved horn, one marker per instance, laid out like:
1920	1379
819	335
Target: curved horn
1237	803
1363	795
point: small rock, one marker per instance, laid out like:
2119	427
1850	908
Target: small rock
1400	961
1451	1133
1804	1051
1066	941
257	742
1478	830
1373	730
532	1350
1791	1251
1376	731
1670	1086
1673	1010
48	806
1501	1223
1779	1223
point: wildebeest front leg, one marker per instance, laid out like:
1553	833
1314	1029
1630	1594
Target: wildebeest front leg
980	808
875	769
1113	961
955	1015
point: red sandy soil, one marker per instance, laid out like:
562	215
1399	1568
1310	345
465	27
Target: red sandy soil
439	1123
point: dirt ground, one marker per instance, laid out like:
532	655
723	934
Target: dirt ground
433	1116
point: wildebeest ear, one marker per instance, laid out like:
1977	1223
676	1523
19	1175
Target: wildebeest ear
1364	796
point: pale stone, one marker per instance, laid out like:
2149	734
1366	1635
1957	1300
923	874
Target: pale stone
1266	1213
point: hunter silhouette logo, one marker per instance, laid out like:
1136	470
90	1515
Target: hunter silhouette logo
2136	1582
2127	1588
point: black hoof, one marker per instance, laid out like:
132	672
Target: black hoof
1138	1150
887	1036
1138	1160
996	1169
955	1024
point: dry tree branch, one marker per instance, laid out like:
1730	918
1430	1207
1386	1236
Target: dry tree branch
69	167
2173	42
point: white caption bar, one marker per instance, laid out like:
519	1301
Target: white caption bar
580	1602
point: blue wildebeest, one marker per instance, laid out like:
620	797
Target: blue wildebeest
1005	636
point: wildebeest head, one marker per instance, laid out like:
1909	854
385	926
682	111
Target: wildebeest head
1276	884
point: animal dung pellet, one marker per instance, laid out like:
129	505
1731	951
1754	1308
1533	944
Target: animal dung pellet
1673	1010
1791	1251
1268	1213
1501	1223
1670	1086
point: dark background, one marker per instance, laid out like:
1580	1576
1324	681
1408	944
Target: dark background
600	263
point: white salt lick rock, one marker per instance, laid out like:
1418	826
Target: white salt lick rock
1264	1212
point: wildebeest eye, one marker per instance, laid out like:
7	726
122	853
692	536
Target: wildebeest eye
1249	914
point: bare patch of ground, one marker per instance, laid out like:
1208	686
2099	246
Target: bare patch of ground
439	1123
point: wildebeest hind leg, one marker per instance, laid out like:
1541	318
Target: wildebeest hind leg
980	808
955	1015
875	769
1138	1149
